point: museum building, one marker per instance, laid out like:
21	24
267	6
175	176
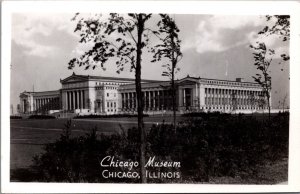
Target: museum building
85	94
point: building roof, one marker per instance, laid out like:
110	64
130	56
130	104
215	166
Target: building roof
89	77
51	92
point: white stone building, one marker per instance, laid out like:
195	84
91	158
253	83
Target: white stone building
109	95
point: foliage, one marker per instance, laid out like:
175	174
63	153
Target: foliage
169	49
109	116
112	37
263	58
280	27
15	117
217	145
170	46
122	38
41	117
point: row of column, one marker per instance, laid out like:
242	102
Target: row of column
241	99
152	100
47	104
75	100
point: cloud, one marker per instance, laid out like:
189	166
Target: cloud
220	33
26	29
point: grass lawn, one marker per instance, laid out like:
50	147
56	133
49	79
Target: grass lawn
29	135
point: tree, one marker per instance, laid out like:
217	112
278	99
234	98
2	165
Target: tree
19	108
170	49
282	103
11	109
126	47
263	58
280	27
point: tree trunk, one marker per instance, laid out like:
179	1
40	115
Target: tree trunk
173	82
138	88
174	100
269	106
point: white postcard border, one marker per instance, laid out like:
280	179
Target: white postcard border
179	7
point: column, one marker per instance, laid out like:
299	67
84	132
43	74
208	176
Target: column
184	98
69	100
130	100
122	100
213	97
154	99
133	100
197	98
82	100
158	100
78	100
149	98
65	106
47	102
37	104
145	101
51	104
220	98
74	100
125	101
162	102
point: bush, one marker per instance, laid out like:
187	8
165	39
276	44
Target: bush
77	159
109	116
15	117
212	147
41	117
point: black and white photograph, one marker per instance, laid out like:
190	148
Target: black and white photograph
155	98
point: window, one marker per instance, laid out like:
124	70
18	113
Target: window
107	104
107	94
115	104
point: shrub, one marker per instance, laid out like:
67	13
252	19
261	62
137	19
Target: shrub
41	117
212	147
15	117
77	159
108	116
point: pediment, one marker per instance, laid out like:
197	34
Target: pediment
187	81
24	95
74	78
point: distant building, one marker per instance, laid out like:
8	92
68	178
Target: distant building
86	94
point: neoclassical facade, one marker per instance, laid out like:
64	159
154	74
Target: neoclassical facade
84	94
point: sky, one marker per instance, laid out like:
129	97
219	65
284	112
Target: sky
213	46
